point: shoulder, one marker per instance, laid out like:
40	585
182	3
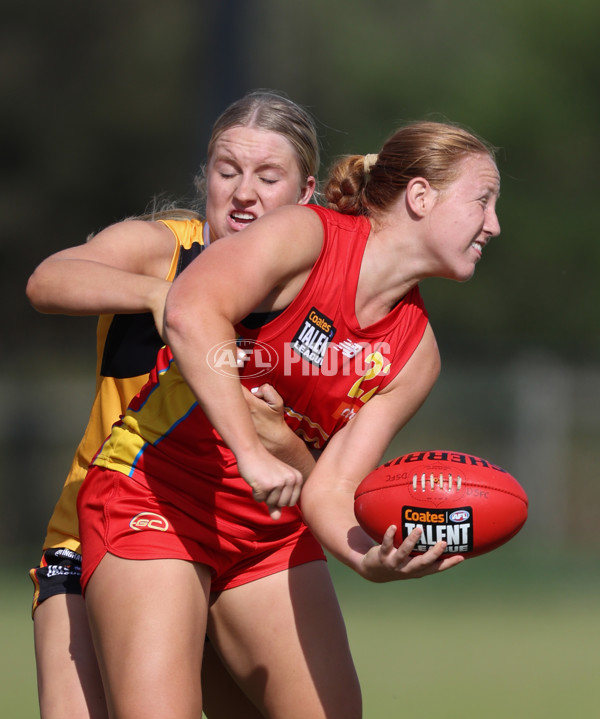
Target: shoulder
301	216
297	231
282	236
187	232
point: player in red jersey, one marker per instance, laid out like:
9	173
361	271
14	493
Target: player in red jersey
263	152
327	306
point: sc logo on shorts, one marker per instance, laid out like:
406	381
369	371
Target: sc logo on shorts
149	520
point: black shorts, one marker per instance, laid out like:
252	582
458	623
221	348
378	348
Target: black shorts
59	572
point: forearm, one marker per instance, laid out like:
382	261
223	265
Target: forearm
220	395
193	339
328	495
330	516
84	287
297	454
357	449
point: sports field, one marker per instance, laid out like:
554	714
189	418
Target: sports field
504	636
513	634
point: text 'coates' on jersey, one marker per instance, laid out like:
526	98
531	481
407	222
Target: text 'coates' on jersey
313	336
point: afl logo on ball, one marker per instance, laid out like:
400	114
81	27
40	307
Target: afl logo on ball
149	520
460	515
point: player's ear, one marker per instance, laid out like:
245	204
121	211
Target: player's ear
420	196
307	190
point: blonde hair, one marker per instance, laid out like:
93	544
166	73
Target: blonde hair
267	110
262	109
432	150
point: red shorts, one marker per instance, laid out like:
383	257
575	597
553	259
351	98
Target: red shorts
121	516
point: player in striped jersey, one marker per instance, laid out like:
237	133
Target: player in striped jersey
263	152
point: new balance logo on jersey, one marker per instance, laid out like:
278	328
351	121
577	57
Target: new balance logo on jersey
313	337
348	348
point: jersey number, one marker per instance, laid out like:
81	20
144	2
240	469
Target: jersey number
378	366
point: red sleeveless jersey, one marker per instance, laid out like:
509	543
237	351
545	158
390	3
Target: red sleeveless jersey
315	354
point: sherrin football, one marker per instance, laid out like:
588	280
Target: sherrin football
466	501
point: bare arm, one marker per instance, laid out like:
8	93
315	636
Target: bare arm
261	268
328	495
121	269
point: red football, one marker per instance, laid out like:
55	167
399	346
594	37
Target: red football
466	501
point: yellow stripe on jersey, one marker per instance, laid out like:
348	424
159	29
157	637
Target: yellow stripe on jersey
152	421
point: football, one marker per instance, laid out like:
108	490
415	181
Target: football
466	501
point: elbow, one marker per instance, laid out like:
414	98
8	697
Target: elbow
34	290
308	505
435	362
175	318
437	368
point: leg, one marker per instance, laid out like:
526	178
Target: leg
69	681
222	698
148	620
284	639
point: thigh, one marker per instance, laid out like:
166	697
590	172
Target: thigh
148	621
222	698
283	638
69	683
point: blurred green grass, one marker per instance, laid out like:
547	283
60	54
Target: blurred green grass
18	687
511	634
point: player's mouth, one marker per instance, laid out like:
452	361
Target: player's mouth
239	220
478	246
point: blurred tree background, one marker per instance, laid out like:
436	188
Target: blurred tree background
106	105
